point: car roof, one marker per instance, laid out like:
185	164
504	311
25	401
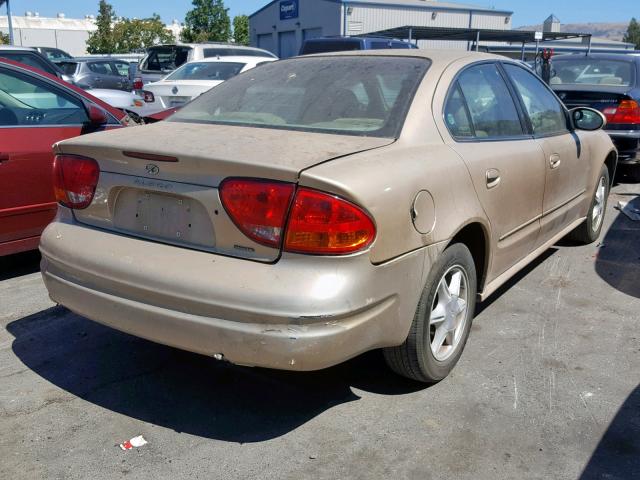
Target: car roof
234	58
96	59
16	48
210	44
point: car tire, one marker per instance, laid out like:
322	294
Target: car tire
419	357
589	230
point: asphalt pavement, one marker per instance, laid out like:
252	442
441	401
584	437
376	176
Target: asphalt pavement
547	388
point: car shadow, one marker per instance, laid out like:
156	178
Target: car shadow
187	392
618	259
617	456
19	264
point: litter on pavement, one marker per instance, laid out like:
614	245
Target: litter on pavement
134	442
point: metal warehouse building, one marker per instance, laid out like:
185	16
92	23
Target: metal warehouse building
281	26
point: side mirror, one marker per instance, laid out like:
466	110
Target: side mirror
589	119
97	116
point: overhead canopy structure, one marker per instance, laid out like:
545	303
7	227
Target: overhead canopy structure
476	35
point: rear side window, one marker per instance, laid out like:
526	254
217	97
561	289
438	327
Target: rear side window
544	110
456	115
493	112
101	68
165	59
122	68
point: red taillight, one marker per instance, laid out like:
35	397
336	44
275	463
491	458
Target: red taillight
138	84
74	180
324	224
627	112
257	207
149	97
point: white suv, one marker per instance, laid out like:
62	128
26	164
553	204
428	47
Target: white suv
161	60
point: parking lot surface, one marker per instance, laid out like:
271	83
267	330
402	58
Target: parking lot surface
547	388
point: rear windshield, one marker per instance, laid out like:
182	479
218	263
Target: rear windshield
207	71
165	59
326	46
366	96
68	68
230	52
591	71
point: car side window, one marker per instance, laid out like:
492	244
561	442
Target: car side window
544	110
101	68
25	101
121	68
456	115
493	111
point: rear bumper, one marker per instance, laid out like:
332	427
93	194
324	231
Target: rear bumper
302	313
627	142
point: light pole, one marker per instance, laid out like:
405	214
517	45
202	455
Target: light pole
9	20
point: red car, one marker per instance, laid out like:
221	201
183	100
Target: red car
36	111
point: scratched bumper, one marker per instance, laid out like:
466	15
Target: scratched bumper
302	313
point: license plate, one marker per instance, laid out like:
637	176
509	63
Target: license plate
178	101
164	216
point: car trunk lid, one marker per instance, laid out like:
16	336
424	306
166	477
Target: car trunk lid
160	181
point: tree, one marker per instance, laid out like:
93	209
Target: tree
133	34
241	30
633	33
207	21
4	39
101	40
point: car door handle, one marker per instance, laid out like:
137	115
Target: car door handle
493	178
4	157
554	161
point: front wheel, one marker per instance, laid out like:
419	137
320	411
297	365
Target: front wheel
442	320
589	230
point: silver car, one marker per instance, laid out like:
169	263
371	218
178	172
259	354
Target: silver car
98	73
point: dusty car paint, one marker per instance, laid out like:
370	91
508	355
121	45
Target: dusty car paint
303	312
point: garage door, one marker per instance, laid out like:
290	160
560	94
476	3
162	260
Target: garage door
265	41
309	33
287	46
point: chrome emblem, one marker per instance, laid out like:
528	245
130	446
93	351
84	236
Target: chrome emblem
174	90
152	169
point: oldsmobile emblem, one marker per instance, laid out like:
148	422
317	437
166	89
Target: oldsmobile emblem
174	90
152	169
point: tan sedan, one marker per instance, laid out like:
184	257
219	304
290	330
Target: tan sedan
319	207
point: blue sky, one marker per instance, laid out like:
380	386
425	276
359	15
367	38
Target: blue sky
526	11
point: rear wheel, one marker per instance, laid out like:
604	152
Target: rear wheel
589	230
442	320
